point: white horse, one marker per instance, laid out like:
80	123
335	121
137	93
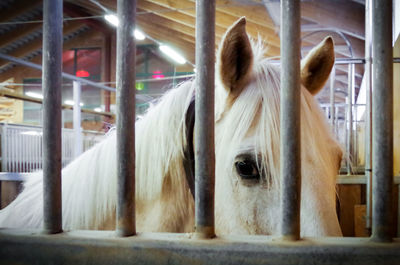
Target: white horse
247	156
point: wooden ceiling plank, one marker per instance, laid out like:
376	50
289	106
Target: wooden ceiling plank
349	18
188	21
187	48
18	7
159	20
18	33
37	45
90	39
223	20
162	26
254	13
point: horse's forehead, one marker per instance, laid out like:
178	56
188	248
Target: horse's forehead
247	145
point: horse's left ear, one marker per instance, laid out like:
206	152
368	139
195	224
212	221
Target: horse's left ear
235	59
317	66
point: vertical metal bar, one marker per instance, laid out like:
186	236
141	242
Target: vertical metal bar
3	156
12	150
349	139
368	112
382	114
336	121
126	60
332	96
290	119
77	119
51	83
398	210
4	146
204	119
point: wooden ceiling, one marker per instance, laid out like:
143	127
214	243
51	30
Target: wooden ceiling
173	22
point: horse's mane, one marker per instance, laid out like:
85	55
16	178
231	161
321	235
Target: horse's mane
89	182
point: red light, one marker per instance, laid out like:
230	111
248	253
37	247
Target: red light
82	73
157	75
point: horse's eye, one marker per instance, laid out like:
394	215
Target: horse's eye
247	169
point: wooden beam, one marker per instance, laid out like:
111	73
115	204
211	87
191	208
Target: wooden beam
166	23
187	48
18	33
37	45
187	21
76	11
254	13
146	20
346	16
222	19
89	39
18	8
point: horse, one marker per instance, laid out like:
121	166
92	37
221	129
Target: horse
247	125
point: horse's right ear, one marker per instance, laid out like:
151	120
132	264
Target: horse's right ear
235	59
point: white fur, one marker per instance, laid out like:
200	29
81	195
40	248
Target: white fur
164	203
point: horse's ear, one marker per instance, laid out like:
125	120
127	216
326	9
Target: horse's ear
235	59
317	66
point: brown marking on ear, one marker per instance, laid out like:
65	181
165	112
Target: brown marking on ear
235	59
317	66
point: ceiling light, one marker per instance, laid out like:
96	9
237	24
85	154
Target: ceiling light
34	95
172	54
139	35
112	19
71	103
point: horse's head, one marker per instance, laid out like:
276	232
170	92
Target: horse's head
247	141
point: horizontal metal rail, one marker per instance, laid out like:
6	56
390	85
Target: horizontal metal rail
103	247
65	75
19	96
340	179
12	176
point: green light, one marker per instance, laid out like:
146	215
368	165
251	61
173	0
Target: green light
139	86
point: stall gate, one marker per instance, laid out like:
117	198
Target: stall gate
21	146
125	245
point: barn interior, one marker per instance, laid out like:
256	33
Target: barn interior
165	40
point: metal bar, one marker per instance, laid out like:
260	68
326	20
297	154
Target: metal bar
13	176
351	179
398	210
349	61
19	96
4	147
51	83
290	145
100	247
382	112
349	139
368	112
204	119
332	96
65	75
126	60
77	119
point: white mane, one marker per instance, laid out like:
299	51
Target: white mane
89	183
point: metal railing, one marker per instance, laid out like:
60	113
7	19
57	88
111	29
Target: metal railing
21	146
